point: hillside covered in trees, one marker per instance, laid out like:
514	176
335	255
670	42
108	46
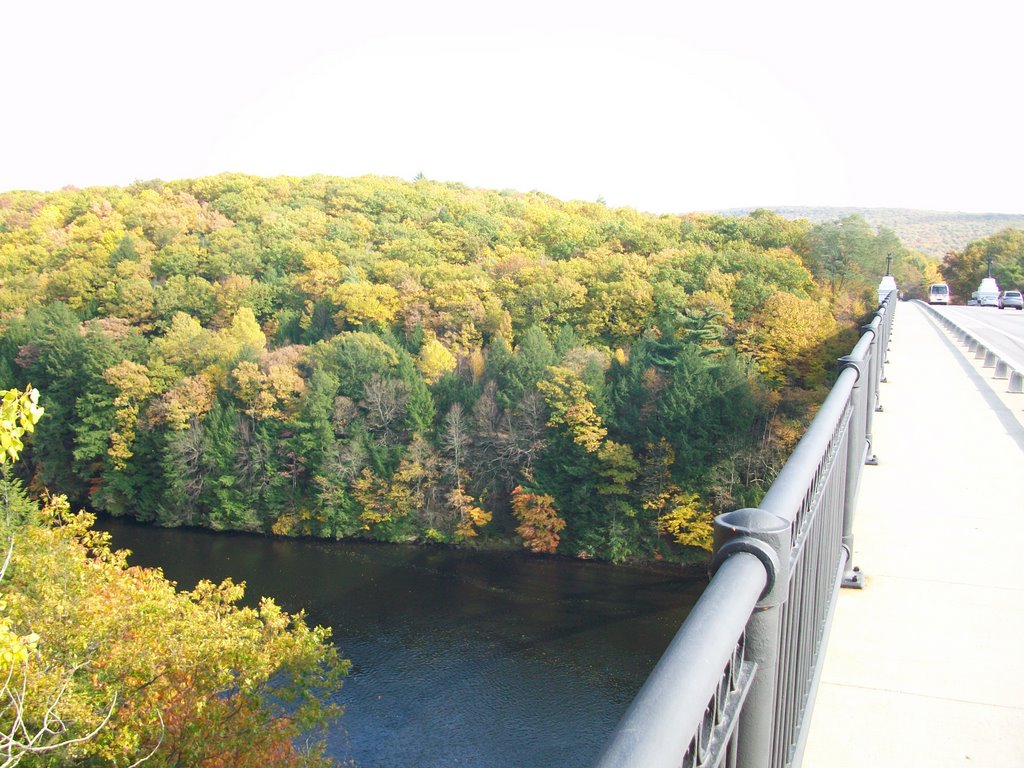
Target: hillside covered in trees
934	233
421	361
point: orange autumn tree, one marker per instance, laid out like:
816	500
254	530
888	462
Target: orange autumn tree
539	522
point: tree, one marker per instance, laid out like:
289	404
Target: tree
434	360
455	442
539	523
185	678
837	250
687	521
783	337
22	733
133	387
569	401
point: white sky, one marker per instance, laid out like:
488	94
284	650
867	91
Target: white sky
663	106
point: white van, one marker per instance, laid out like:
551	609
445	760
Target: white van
938	293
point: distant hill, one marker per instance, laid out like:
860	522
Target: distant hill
934	233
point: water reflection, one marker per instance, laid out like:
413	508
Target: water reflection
459	658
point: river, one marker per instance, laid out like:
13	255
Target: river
459	658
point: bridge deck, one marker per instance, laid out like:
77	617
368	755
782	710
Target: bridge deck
925	665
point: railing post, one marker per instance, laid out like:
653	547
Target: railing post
858	454
769	537
868	375
887	312
877	354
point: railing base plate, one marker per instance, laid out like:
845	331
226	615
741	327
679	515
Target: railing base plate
854	579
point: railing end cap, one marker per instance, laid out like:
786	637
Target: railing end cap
752	519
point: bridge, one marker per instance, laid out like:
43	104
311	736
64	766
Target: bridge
907	487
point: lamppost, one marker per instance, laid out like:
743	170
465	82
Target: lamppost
888	284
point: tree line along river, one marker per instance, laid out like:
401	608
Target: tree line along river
459	657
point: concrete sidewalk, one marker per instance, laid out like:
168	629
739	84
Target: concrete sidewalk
925	665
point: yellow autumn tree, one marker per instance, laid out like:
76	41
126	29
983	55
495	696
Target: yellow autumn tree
360	303
783	335
270	394
569	401
688	521
469	516
133	386
434	360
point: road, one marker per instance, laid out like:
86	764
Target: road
1002	331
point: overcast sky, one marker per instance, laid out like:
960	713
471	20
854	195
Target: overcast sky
662	106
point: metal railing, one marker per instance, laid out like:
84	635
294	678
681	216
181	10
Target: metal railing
1005	364
737	683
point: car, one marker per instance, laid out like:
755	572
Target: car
1011	299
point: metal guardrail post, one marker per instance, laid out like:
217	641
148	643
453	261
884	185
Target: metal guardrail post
767	536
858	454
868	374
887	310
876	355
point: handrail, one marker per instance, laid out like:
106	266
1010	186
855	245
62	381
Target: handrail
737	683
660	725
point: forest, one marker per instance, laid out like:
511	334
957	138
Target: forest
422	361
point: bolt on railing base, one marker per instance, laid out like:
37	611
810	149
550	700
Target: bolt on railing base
871	461
853	579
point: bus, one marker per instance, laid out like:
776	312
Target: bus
938	293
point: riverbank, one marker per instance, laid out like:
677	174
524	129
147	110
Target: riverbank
692	563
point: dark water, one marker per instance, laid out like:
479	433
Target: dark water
459	658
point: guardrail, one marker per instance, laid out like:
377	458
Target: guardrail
1004	363
737	683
